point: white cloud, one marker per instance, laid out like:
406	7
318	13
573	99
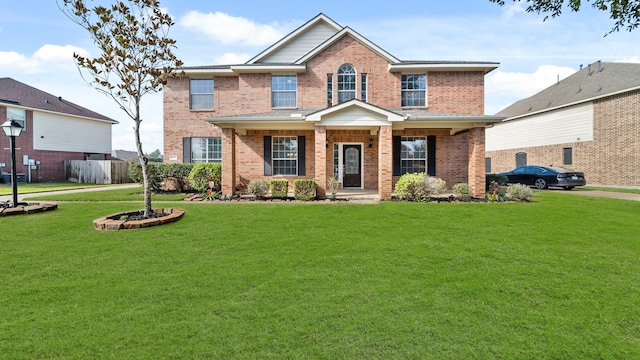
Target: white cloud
58	53
228	29
511	10
521	84
14	62
232	58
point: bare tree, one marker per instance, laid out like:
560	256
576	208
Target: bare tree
136	57
624	13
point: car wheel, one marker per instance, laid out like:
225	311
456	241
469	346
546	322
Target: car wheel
540	184
567	187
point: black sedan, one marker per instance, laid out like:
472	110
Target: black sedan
544	176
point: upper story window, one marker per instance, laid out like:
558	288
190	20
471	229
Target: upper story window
414	89
18	115
363	87
283	91
201	94
346	83
329	90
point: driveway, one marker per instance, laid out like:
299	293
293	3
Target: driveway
603	194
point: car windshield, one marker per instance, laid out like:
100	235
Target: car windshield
559	169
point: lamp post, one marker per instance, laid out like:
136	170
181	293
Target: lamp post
12	129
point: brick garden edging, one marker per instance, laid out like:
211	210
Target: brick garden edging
28	208
114	222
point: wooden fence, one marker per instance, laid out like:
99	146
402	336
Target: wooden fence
97	171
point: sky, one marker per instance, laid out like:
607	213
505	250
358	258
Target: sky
37	42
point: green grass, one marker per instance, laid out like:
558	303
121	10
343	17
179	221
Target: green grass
556	278
24	188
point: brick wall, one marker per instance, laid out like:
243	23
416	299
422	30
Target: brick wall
612	158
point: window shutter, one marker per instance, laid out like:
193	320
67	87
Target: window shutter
268	171
301	156
397	149
431	155
186	150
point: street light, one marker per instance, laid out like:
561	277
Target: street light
12	129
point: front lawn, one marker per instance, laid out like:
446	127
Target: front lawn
25	188
557	278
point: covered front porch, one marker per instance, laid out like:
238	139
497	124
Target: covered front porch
361	145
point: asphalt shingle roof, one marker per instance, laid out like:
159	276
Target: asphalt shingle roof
13	92
593	81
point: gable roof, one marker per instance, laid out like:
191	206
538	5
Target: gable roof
321	20
595	81
290	54
339	35
15	93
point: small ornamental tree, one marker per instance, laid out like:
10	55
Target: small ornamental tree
136	57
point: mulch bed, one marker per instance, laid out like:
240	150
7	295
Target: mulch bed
136	220
27	208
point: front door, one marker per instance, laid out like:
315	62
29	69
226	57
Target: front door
351	155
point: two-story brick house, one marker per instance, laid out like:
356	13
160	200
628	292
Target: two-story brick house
325	101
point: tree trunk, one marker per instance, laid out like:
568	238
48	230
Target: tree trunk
146	174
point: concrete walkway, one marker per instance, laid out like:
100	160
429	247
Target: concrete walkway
355	196
22	197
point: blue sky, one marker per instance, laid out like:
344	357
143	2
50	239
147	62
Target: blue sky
37	42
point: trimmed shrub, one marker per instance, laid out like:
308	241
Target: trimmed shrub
418	187
258	188
518	192
411	187
205	176
178	174
434	185
279	189
155	175
304	189
461	191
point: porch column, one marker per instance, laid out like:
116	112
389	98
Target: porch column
321	160
228	161
476	162
385	162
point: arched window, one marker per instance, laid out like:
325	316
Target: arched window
346	83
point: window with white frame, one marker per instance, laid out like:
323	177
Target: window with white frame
17	115
283	91
285	155
414	89
363	87
206	150
201	94
346	83
329	90
413	154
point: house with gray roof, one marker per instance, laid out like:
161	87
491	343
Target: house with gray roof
54	130
324	102
588	122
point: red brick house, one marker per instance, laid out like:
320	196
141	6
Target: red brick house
324	101
54	130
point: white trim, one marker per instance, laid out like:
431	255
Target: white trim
317	116
425	67
348	31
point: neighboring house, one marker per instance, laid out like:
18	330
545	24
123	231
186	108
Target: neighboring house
55	130
125	155
587	122
324	101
